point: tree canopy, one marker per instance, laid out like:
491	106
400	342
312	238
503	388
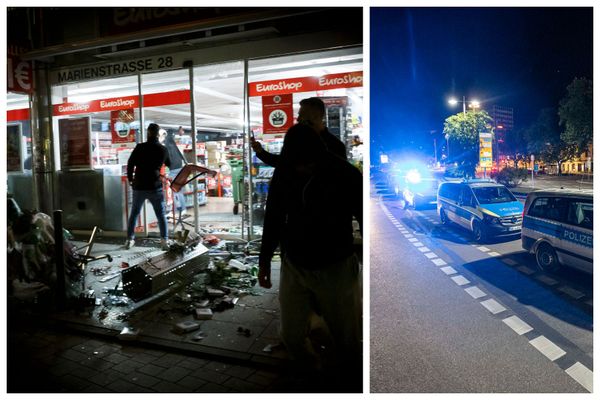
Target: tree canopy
576	115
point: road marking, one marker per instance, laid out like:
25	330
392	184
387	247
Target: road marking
413	240
430	255
547	348
424	249
494	254
460	280
582	375
448	270
569	291
408	235
418	244
493	306
526	270
509	261
438	261
475	292
482	248
517	325
547	280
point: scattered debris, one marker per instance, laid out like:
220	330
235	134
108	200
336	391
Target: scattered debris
270	347
244	331
110	277
198	336
129	333
203	313
185	327
100	271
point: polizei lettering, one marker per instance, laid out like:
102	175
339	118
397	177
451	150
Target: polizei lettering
348	79
578	237
281	85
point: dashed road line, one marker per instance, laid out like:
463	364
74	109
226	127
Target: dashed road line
475	292
582	375
418	244
547	348
482	248
494	254
424	249
430	255
547	280
517	324
448	270
413	240
438	261
408	235
493	306
460	280
569	291
526	270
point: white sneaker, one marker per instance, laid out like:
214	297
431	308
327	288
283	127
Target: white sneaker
164	244
129	243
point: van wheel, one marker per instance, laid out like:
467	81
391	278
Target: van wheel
546	258
443	217
479	233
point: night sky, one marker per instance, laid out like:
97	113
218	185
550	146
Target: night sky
522	58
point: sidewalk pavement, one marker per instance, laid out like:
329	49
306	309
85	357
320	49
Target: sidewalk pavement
554	182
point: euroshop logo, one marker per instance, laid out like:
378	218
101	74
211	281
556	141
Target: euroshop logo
277	118
277	99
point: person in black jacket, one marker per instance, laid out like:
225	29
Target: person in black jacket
312	113
311	202
143	174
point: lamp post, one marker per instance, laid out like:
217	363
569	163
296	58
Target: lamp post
472	103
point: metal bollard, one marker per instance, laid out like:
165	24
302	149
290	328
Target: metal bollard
59	254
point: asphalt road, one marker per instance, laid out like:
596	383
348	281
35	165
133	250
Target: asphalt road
451	316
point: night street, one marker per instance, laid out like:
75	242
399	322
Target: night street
451	315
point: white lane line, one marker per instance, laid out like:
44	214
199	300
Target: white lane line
582	375
569	291
509	261
526	270
475	292
493	306
494	254
482	248
408	235
424	249
448	270
547	280
438	261
460	280
430	255
517	324
547	348
413	240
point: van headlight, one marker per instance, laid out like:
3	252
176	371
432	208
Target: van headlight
488	219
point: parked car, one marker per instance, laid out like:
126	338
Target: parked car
485	208
418	191
558	228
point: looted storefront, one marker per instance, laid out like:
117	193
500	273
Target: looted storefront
208	94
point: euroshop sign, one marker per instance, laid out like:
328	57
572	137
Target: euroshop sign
122	103
306	84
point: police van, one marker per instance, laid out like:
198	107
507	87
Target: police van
558	228
485	208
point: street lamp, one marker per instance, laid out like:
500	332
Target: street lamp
472	103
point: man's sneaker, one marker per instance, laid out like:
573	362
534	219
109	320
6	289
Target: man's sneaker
129	243
164	244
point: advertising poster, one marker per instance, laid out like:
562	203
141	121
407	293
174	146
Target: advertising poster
278	114
75	146
120	125
14	148
485	150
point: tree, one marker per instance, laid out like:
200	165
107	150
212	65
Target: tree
544	139
576	113
463	133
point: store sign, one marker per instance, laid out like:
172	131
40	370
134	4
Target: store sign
14	148
485	150
120	103
117	68
278	114
19	74
120	125
17	115
75	146
306	84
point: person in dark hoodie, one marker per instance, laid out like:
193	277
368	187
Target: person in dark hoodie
143	174
311	202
